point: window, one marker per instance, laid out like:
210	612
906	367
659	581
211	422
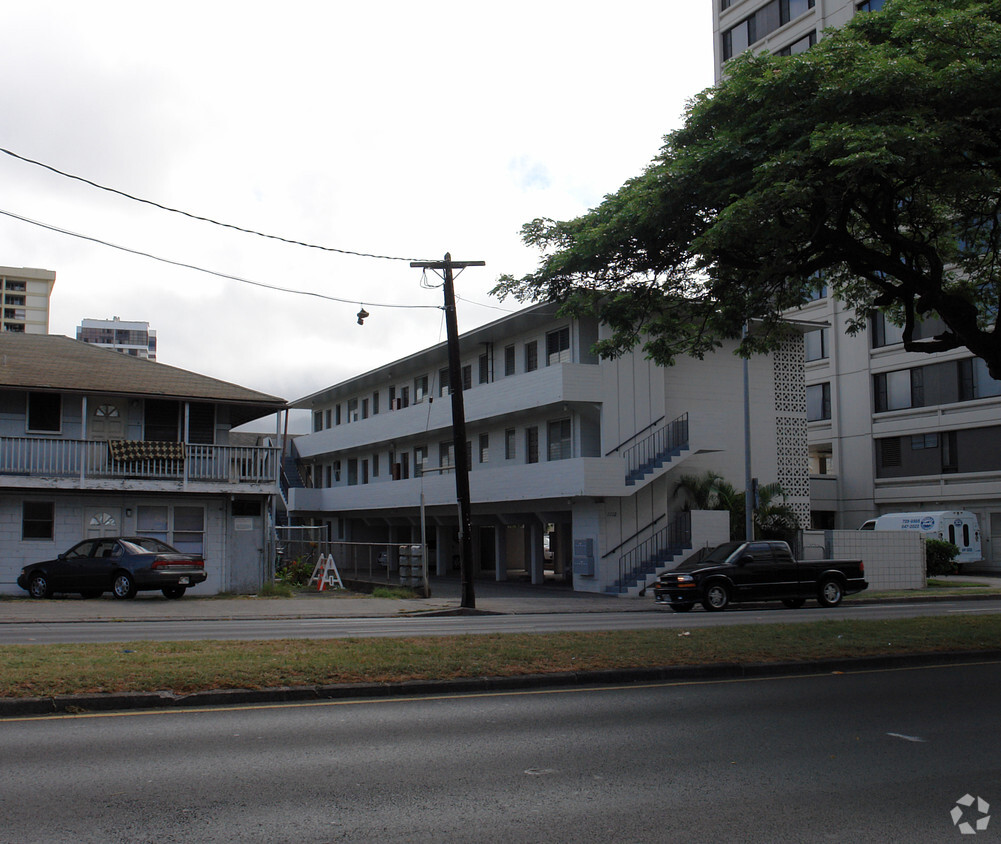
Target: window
328	417
364	408
443	389
558	346
352	471
44	413
532	445
201	423
420	388
870	5
484	448
446	455
560	440
328	476
816	344
760	24
317	421
38	519
923	441
508	360
160	420
889	452
152	521
950	452
467	377
975	382
420	460
898	390
352	410
799	46
818	402
404	396
375	403
364	471
375	465
484	367
509	446
337	414
337	471
189	529
531	356
392	398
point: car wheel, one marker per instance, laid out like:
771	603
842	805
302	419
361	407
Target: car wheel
92	593
717	597
830	593
681	607
38	586
173	592
794	603
124	586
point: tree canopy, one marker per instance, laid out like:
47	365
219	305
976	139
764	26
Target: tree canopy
871	163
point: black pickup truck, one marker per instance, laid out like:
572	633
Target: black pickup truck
757	571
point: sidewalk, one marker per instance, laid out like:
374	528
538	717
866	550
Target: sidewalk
491	597
510	598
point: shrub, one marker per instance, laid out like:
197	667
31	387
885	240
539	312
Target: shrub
295	573
940	557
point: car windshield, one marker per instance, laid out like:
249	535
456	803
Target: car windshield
147	544
722	553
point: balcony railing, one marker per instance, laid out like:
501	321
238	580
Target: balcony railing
91	459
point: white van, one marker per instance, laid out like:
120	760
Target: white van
960	527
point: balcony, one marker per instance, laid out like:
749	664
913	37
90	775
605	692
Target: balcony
96	464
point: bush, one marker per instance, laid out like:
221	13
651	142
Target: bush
940	557
296	573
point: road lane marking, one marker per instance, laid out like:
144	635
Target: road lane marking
905	738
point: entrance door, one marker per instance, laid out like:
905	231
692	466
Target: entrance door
103	521
106	422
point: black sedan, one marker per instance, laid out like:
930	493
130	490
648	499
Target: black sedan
121	564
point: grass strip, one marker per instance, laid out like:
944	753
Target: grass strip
184	667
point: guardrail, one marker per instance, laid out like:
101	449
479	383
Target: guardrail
65	458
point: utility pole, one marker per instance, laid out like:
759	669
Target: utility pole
458	422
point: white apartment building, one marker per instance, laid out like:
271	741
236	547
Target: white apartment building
574	460
130	337
889	430
26	294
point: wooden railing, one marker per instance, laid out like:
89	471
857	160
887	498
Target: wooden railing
63	458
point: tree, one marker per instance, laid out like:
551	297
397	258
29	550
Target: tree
710	491
870	163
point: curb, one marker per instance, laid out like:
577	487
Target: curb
166	700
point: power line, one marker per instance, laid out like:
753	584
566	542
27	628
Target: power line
211	272
198	217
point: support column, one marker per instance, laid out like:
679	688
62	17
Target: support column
443	550
500	552
535	555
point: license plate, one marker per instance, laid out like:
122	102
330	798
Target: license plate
182	581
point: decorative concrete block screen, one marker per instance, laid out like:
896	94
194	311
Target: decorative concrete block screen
894	559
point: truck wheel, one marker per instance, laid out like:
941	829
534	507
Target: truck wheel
794	603
830	593
681	607
717	597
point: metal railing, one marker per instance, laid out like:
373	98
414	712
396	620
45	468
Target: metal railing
654	552
65	458
652	451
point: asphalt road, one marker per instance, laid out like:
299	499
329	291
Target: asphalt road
878	756
48	632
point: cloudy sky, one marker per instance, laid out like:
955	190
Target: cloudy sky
394	128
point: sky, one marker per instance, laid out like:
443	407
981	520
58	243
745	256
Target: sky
398	129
